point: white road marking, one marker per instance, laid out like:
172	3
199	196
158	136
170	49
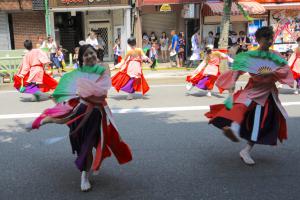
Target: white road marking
137	110
8	91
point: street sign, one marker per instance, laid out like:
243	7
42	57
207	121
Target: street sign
165	8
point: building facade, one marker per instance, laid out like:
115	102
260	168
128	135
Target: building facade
163	16
20	20
72	20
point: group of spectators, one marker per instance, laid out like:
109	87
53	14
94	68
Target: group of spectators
241	41
172	50
55	53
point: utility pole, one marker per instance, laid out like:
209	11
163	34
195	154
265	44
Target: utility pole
47	21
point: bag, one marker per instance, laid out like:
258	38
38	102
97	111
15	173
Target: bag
173	53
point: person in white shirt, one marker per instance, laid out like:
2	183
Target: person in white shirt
196	48
209	40
92	40
51	45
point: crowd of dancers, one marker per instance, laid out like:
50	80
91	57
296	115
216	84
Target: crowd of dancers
253	113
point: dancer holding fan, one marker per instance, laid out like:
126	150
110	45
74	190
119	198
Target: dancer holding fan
130	78
80	103
294	63
205	75
255	112
31	77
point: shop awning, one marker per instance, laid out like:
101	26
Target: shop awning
216	8
141	3
275	6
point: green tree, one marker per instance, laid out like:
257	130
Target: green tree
225	24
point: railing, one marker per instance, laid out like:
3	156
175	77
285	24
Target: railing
9	67
9	63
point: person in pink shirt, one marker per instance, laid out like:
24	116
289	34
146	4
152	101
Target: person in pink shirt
31	77
255	112
294	63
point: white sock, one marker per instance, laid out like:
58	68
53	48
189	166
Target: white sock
235	127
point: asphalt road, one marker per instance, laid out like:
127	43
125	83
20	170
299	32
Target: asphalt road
177	155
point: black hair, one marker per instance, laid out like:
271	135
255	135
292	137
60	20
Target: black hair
264	32
131	41
298	39
210	32
180	35
165	34
207	50
28	44
82	50
242	32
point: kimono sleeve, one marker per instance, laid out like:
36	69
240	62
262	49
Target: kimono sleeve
43	58
24	67
226	81
284	76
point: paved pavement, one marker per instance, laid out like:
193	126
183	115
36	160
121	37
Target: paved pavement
177	155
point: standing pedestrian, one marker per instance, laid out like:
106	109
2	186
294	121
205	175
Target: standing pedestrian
181	51
101	47
243	41
117	51
51	45
174	48
92	40
209	40
39	42
164	43
195	40
153	37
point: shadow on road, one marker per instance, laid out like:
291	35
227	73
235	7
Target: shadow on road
176	156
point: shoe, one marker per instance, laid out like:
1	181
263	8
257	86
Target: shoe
129	97
189	86
245	156
208	94
296	91
85	183
227	131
